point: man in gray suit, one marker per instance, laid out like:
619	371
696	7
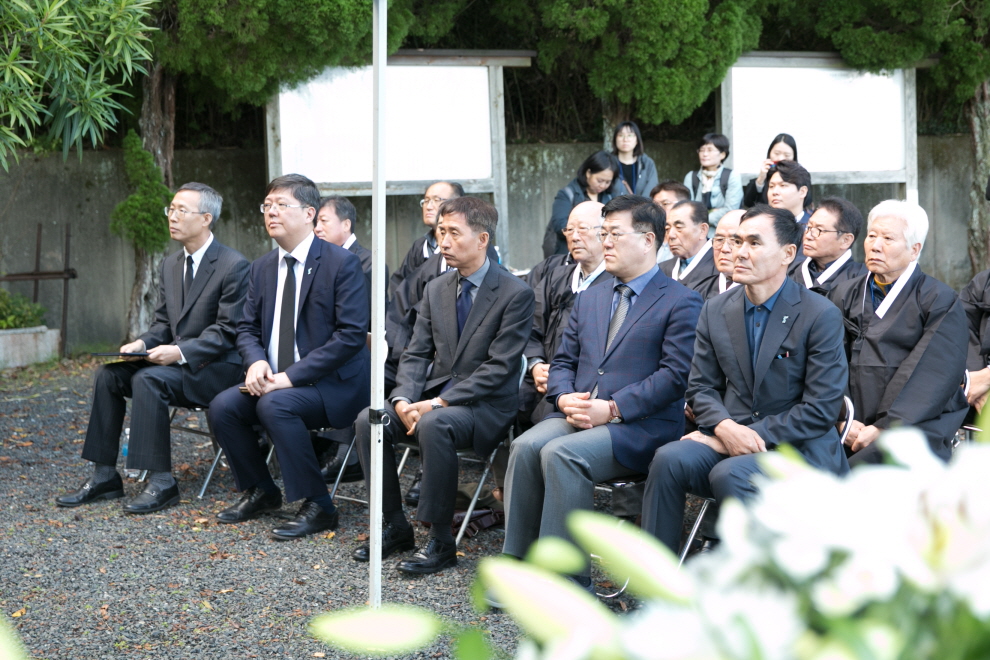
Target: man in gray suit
188	357
769	368
457	384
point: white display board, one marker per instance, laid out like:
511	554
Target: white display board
850	126
437	125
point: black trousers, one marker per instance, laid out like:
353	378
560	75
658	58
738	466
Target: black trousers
440	434
152	389
683	467
287	415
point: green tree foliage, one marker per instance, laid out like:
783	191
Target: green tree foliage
657	60
62	66
245	49
139	218
886	34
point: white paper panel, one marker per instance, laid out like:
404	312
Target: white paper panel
436	122
842	120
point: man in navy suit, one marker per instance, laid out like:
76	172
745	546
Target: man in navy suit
769	368
307	363
617	383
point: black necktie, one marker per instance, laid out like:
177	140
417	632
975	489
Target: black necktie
463	305
188	279
286	324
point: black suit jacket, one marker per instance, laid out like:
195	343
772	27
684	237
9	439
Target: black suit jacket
484	362
204	327
331	327
364	254
795	394
703	278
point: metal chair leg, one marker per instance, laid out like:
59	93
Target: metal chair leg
343	466
402	462
209	475
694	531
474	500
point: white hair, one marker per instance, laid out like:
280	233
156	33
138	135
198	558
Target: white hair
913	216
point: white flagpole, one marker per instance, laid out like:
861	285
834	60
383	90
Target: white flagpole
380	55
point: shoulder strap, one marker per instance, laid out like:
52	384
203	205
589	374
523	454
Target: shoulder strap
723	181
695	182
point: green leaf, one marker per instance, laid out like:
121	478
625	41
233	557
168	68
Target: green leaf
629	552
471	645
547	606
390	630
555	554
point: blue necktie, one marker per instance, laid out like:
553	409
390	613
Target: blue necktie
463	305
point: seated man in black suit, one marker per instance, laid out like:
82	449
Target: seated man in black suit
555	297
426	245
335	220
191	357
303	337
724	248
693	263
828	241
906	338
975	299
768	369
616	384
457	385
665	194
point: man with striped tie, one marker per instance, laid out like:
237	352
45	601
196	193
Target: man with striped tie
616	384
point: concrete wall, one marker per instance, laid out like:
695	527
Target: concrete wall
54	193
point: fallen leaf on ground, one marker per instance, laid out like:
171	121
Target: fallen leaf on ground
19	613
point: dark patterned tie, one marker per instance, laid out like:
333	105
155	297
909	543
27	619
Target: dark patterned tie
286	323
188	279
621	309
463	305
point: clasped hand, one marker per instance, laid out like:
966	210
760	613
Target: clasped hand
410	413
582	411
260	380
861	436
541	372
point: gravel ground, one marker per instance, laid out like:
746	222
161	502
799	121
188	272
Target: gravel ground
92	582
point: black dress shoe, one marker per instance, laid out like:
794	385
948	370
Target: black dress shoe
432	557
254	503
90	492
412	497
352	473
394	539
153	499
310	519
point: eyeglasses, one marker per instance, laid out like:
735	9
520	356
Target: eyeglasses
282	207
719	241
709	150
437	201
614	236
182	213
815	232
581	231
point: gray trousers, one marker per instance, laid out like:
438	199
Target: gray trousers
553	469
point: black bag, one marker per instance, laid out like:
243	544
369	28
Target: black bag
550	236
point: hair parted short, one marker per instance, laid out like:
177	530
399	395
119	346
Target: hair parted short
480	215
210	201
646	216
785	228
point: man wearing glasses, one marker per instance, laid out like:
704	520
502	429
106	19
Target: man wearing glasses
426	245
302	339
184	359
616	384
828	241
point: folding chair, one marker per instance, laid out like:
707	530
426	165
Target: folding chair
846	426
208	433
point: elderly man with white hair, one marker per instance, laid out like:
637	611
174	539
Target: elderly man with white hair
906	338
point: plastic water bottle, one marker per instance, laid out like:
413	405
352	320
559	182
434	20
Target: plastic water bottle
130	474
